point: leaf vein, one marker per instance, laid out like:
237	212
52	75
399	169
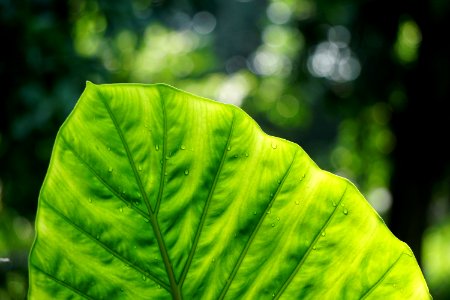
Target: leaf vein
378	282
310	248
255	231
164	153
205	208
107	248
65	284
102	180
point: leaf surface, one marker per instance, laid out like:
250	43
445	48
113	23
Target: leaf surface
154	193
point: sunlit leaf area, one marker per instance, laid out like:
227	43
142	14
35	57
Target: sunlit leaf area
361	86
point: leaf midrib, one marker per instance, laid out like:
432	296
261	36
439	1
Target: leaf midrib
175	291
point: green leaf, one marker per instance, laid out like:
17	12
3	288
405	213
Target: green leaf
154	193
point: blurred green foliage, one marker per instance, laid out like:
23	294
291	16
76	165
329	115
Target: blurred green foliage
359	85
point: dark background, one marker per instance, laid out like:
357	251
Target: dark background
360	85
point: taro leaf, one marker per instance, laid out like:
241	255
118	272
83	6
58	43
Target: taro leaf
154	193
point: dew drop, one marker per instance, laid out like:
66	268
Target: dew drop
121	209
278	218
157	147
297	202
274	145
90	200
279	181
246	154
323	233
158	286
254	212
110	169
109	148
135	247
235	156
269	211
144	277
314	248
334	204
186	172
273	295
140	168
146	221
121	289
271	194
273	224
167	157
345	211
183	147
165	173
97	237
229	148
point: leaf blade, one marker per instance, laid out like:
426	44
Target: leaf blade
215	209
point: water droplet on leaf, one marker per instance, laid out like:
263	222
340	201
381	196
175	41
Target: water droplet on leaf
345	211
274	145
273	224
297	202
157	147
229	148
144	277
186	172
323	233
110	169
183	147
